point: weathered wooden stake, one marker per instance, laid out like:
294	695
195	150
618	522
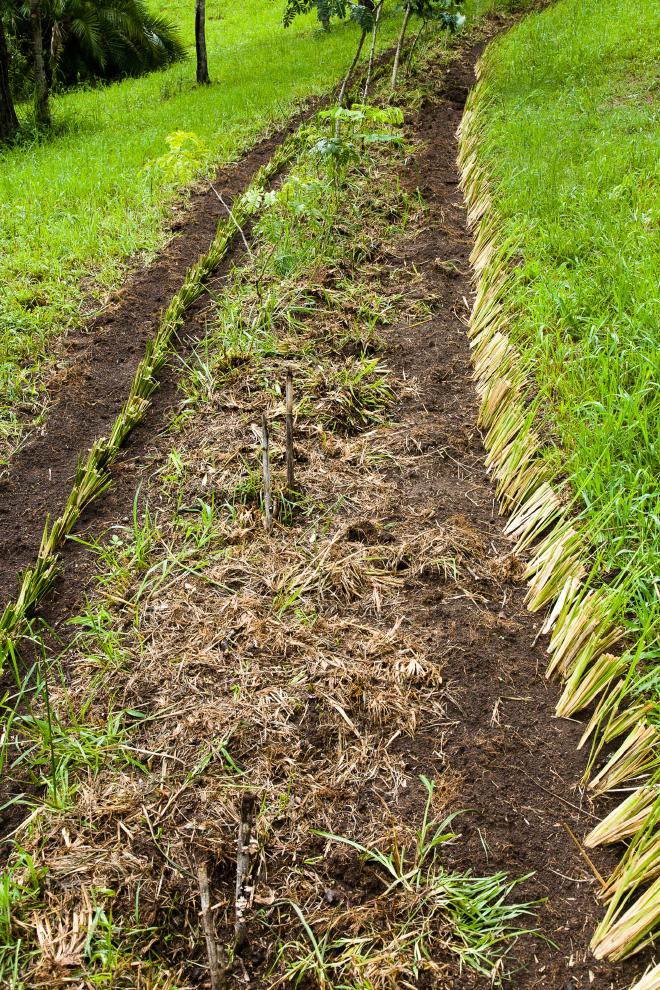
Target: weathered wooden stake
290	453
243	890
265	463
215	969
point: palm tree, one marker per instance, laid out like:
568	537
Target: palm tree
108	39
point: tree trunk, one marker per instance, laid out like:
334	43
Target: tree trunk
200	42
41	105
399	47
349	74
8	119
374	35
414	45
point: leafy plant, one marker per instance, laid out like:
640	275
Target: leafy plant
107	39
184	159
20	886
351	137
325	10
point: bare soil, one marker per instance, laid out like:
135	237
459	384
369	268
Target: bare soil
503	755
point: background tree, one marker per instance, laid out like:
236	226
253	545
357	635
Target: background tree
325	9
107	39
446	13
200	43
363	13
8	119
50	43
41	101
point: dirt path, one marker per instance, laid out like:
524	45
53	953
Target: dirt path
498	751
519	764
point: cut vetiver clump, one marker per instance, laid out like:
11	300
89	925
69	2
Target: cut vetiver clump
563	338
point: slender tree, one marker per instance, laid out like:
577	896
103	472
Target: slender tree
446	13
41	102
8	119
399	45
349	75
200	42
364	14
372	51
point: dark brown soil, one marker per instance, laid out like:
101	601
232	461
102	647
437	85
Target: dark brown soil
517	767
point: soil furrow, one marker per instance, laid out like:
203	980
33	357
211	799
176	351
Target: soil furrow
100	360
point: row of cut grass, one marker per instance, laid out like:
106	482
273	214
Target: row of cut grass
570	141
559	160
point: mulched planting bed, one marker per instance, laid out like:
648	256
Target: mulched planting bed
376	637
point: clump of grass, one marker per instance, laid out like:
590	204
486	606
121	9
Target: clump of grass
343	571
392	940
353	396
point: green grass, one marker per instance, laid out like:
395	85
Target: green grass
76	205
571	144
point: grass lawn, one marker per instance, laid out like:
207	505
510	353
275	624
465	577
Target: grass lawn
75	206
571	144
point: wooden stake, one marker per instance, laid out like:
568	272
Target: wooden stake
243	890
215	969
290	452
265	463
